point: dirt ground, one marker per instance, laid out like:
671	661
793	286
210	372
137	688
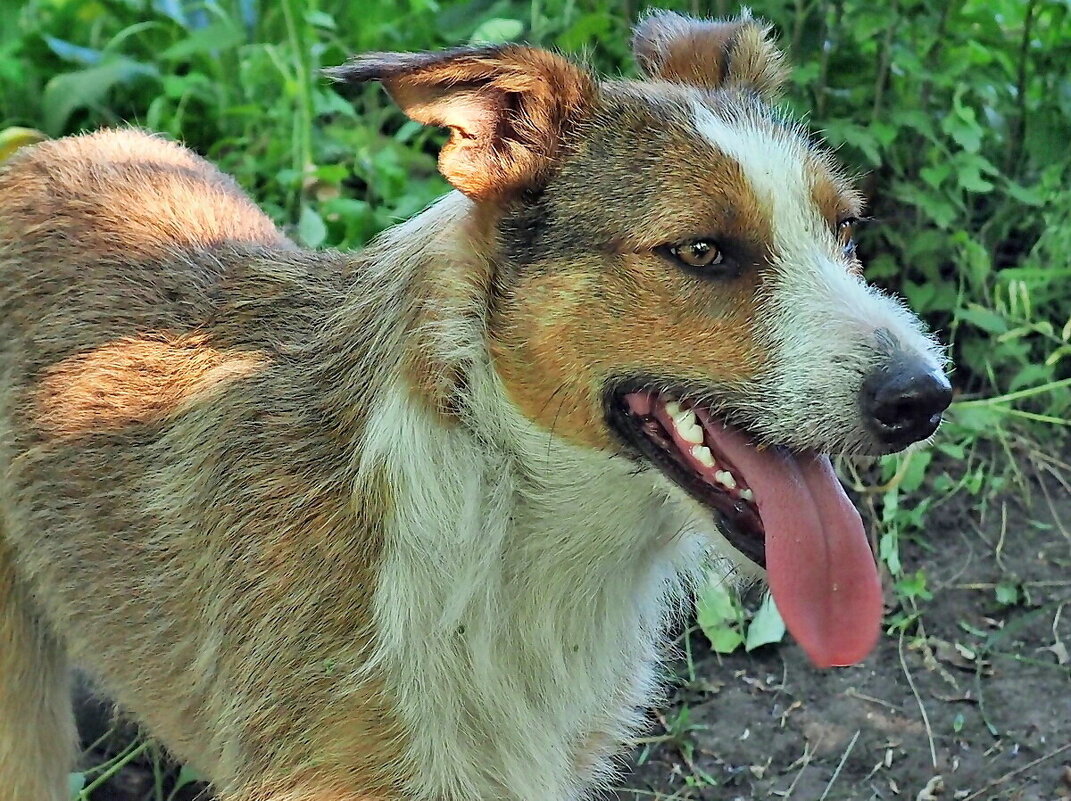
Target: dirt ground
973	704
976	706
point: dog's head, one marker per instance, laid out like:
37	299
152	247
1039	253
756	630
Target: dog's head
676	280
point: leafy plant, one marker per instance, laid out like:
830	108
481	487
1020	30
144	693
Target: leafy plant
727	624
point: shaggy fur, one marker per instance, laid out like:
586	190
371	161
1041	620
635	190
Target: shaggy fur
353	527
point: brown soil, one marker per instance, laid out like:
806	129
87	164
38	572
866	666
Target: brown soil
972	703
994	681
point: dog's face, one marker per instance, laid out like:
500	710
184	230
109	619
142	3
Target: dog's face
676	280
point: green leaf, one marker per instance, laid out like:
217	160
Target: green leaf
67	93
884	265
954	450
920	296
75	783
311	228
962	125
1007	593
766	627
933	296
320	19
84	56
187	775
1031	375
724	639
915	472
977	419
718	616
1028	195
889	551
217	37
497	30
588	28
913	585
970	178
934	205
986	319
936	174
864	141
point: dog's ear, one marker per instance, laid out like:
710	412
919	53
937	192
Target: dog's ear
507	109
711	54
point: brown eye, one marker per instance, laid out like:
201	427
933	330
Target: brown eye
698	254
845	234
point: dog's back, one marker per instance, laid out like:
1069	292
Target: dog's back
159	354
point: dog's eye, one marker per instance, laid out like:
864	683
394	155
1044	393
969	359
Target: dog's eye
697	254
845	233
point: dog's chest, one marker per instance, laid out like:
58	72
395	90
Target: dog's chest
519	634
537	680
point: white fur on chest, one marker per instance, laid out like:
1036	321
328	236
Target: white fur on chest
520	601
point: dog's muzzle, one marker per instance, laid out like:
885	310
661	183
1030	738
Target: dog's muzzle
902	400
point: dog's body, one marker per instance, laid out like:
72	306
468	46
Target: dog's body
351	526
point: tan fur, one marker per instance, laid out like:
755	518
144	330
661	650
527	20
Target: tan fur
506	109
199	503
37	733
120	398
581	327
708	53
134	381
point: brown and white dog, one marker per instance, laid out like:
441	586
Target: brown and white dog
409	523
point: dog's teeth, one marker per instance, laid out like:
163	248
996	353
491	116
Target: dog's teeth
685	417
747	495
692	434
686	424
725	478
702	454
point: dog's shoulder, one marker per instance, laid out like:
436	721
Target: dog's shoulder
123	192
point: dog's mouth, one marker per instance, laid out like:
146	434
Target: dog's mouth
783	510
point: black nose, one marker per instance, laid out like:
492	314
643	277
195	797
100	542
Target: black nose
902	401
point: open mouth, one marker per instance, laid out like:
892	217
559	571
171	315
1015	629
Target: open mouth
682	440
783	510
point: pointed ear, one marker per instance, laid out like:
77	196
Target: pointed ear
507	108
711	54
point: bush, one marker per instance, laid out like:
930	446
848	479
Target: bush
956	113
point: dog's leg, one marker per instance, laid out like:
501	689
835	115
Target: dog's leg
37	734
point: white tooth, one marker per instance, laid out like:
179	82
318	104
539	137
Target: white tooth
701	453
692	434
725	478
685	417
747	495
673	408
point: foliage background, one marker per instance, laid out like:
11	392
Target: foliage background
956	114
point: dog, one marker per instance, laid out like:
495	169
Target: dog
409	523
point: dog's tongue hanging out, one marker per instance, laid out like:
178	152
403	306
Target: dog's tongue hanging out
818	560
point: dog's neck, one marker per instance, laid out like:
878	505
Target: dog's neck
532	592
522	578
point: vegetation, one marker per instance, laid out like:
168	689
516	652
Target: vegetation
955	113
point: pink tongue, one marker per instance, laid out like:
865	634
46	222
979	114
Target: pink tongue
818	561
